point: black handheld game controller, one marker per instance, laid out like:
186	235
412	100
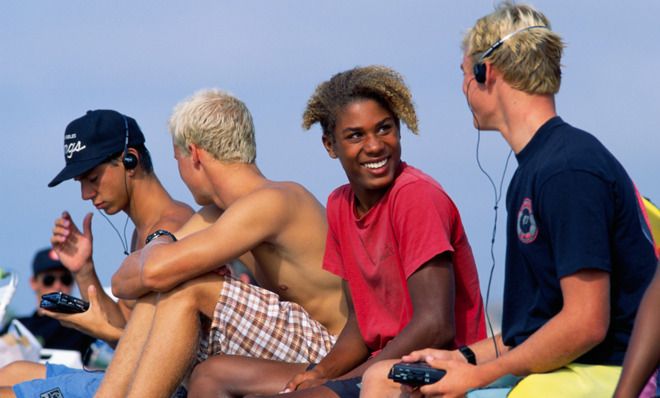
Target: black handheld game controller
415	374
62	302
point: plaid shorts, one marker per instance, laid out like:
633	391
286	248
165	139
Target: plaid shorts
252	321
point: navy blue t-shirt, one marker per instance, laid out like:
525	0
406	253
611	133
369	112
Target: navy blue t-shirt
571	206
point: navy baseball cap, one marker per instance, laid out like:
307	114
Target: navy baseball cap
45	260
91	139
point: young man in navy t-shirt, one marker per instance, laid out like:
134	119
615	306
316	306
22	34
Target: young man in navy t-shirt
579	252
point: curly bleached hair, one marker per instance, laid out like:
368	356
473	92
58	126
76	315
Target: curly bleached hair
379	83
217	122
530	61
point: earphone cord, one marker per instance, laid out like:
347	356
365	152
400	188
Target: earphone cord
125	245
497	196
124	156
124	242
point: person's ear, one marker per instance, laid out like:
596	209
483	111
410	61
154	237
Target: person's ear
194	153
329	144
491	74
33	283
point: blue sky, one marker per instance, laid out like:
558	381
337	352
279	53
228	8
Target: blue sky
60	59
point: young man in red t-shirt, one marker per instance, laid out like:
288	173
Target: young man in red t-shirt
394	237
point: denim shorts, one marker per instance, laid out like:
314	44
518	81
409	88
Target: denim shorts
61	382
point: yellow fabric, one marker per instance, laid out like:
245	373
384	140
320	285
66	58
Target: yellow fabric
653	214
572	381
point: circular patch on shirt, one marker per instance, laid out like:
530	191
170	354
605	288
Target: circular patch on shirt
526	224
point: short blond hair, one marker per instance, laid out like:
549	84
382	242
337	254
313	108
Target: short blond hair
217	122
530	60
380	83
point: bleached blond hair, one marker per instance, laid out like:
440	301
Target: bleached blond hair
217	122
530	61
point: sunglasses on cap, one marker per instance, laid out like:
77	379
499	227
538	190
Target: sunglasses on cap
49	279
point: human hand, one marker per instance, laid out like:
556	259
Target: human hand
423	355
303	380
459	379
94	321
73	247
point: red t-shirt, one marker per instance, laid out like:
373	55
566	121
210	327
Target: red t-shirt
375	254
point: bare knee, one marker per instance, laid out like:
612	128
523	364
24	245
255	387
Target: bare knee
375	381
199	294
20	371
213	378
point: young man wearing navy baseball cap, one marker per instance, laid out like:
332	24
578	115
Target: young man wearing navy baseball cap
104	151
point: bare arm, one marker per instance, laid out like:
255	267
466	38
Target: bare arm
581	324
162	266
431	290
643	355
348	352
204	218
127	281
484	350
74	249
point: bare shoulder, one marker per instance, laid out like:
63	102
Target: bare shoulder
269	210
174	217
286	193
203	218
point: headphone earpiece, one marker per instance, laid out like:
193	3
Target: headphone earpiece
479	70
130	161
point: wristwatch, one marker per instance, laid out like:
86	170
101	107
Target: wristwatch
158	233
468	354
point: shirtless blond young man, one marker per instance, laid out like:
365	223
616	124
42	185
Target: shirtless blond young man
296	316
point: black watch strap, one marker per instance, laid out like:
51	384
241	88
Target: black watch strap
468	354
158	233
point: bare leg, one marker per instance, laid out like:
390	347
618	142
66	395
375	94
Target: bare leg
7	392
230	376
20	371
376	384
125	360
174	337
315	392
